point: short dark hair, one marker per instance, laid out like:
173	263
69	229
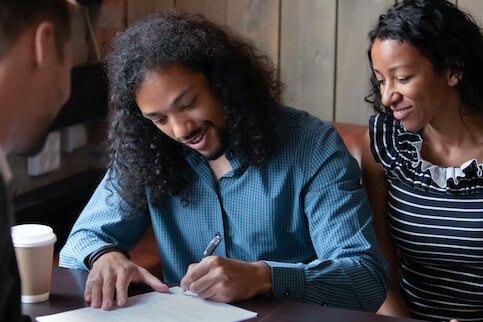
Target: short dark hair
245	80
449	38
18	15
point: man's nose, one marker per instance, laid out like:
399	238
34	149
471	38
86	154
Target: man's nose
181	126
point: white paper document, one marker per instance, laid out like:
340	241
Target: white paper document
154	306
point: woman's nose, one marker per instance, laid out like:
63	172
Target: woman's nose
389	94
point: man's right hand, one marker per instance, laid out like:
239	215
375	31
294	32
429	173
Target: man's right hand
112	273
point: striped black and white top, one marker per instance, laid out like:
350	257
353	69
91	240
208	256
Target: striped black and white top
435	215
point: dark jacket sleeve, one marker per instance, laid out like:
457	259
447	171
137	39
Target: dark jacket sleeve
10	308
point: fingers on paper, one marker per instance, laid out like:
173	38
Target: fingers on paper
108	292
155	283
122	284
93	291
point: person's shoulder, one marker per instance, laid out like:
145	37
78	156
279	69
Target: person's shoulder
391	144
292	119
305	133
383	120
385	130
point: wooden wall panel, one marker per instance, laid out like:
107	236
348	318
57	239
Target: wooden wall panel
355	19
139	8
474	7
212	9
259	20
320	45
307	55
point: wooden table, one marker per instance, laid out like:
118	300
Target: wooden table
67	293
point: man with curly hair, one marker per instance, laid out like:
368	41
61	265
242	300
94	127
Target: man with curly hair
35	64
201	144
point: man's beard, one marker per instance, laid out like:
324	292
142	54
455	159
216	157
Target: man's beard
223	138
221	133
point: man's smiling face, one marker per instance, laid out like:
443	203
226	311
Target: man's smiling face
185	107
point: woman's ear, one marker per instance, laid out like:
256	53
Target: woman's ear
44	42
454	78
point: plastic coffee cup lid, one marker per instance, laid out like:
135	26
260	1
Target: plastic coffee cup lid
32	235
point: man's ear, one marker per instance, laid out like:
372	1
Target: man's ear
44	42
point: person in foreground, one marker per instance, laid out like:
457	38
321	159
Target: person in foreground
422	159
200	144
35	63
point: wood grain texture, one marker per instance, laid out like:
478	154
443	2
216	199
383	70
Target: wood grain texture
307	55
474	7
259	20
320	45
138	8
212	9
355	19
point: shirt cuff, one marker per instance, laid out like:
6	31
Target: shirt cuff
288	281
89	260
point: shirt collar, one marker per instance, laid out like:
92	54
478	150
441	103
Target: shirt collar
5	170
239	165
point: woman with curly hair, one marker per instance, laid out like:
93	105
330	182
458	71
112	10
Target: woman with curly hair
200	145
422	161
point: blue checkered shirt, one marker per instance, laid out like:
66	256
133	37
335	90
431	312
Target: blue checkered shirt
305	214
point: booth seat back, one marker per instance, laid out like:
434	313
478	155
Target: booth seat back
353	136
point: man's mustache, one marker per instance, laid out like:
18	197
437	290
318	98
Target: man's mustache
196	132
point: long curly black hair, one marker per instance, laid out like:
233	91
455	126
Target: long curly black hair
246	81
449	38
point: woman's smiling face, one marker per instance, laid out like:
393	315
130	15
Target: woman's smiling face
409	84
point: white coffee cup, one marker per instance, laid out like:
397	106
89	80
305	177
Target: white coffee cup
34	250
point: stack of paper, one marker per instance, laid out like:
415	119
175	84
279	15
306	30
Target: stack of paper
154	306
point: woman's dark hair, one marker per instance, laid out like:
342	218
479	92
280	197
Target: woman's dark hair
245	80
449	38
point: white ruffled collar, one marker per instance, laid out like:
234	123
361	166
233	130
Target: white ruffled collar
440	175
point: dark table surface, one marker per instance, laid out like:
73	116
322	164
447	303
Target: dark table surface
67	293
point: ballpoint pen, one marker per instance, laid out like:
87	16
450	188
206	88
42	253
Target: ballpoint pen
210	248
